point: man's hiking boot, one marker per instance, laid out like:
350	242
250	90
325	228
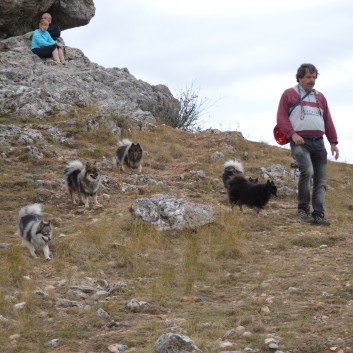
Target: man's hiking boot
305	216
320	220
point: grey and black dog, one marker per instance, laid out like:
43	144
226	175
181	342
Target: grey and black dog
36	233
83	180
129	155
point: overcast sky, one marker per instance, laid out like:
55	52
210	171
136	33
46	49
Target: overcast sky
240	55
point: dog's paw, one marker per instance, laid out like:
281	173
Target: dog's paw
97	206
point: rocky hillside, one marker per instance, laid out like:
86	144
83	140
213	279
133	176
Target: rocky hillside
236	282
38	88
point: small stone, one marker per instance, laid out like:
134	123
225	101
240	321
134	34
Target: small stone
273	345
41	293
323	246
102	313
326	294
54	342
240	329
114	324
294	289
117	348
225	344
3	319
19	306
270	340
49	288
4	245
14	337
265	310
246	334
229	333
101	293
269	300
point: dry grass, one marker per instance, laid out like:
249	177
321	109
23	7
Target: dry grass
200	283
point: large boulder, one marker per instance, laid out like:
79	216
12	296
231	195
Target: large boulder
35	87
175	343
21	16
169	213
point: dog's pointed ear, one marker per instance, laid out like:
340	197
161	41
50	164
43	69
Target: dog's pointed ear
88	164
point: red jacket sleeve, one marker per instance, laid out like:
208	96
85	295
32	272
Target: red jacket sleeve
283	121
330	130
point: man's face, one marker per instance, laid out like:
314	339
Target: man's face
308	81
46	17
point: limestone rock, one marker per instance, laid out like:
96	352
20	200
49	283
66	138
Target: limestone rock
21	16
169	213
173	343
35	87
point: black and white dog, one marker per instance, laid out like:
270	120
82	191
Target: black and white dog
243	192
129	155
36	233
83	180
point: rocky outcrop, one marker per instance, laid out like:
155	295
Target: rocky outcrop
175	342
21	16
169	213
34	87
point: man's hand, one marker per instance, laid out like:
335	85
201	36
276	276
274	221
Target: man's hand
334	150
297	139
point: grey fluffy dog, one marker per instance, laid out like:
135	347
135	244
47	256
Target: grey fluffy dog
83	180
129	155
36	233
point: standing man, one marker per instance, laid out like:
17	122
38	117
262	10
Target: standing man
304	117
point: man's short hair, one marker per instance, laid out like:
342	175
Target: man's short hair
304	68
46	15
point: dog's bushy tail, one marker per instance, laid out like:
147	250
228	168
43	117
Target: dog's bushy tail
122	151
35	208
232	169
125	142
73	166
236	164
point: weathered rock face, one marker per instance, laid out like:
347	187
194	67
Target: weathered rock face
21	16
175	342
36	87
169	213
